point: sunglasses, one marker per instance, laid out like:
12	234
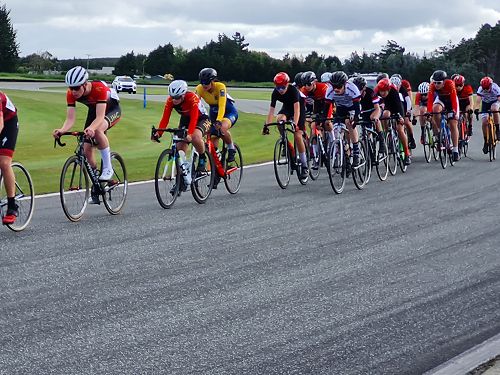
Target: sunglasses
75	88
438	82
177	97
281	88
309	84
205	83
337	87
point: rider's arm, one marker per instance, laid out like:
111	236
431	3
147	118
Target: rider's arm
453	97
167	111
100	113
430	98
222	100
375	115
270	115
70	119
296	112
1	117
194	112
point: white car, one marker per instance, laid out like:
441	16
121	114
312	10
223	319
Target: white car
124	83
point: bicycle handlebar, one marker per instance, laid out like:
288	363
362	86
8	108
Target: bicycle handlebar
181	133
57	141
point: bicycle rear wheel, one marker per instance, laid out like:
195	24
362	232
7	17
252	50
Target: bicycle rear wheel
492	142
24	195
298	163
392	154
115	190
336	166
442	149
234	172
359	173
382	164
203	180
428	149
315	157
167	179
282	168
74	188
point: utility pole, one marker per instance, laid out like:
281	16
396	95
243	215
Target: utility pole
88	58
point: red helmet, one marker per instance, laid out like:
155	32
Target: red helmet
406	84
459	80
384	85
486	83
281	79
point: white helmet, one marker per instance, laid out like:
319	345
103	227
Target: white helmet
396	81
423	88
76	76
177	88
325	77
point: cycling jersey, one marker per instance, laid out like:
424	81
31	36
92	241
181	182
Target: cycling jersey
350	96
392	102
99	93
405	98
368	101
447	96
191	107
406	84
421	99
291	96
7	108
321	105
464	96
491	95
218	98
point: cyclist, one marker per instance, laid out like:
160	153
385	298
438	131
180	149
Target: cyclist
315	92
346	97
443	96
193	116
421	104
223	112
465	103
370	107
103	113
406	99
293	109
297	80
8	134
393	106
488	94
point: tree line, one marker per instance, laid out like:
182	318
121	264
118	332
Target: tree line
232	58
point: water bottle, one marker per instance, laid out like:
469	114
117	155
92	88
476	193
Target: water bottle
185	168
219	155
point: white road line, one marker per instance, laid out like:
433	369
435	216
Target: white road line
470	359
49	195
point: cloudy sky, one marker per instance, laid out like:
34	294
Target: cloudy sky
69	28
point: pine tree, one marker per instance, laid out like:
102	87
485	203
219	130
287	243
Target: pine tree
9	49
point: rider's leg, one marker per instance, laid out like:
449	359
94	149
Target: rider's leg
437	108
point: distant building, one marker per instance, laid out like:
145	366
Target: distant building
105	70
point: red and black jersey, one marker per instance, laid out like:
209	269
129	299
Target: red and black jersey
464	94
99	93
7	108
406	84
190	107
447	94
321	105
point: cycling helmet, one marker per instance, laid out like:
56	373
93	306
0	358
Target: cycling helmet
486	83
177	88
281	79
384	85
297	80
458	79
423	88
360	82
438	75
76	76
308	77
396	81
325	77
338	78
381	76
397	76
207	75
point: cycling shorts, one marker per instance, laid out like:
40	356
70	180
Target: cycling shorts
202	125
8	137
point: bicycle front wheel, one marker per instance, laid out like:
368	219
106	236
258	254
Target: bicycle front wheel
234	172
315	157
443	149
382	164
428	149
167	179
282	168
492	142
336	166
392	154
24	196
203	180
74	188
359	173
115	190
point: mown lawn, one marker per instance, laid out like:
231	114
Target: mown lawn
42	112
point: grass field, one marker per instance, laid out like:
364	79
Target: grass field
42	112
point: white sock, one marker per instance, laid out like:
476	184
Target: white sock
455	149
231	146
303	158
106	158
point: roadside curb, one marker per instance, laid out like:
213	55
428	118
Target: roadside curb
470	359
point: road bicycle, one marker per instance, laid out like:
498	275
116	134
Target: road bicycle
463	133
376	154
230	172
169	176
24	195
286	158
491	138
395	150
319	142
444	144
428	139
77	174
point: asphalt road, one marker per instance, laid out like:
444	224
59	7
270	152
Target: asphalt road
394	279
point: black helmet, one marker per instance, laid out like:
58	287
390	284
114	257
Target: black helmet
298	79
381	76
207	75
438	75
338	78
360	82
308	77
398	76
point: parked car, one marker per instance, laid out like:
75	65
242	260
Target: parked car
124	83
